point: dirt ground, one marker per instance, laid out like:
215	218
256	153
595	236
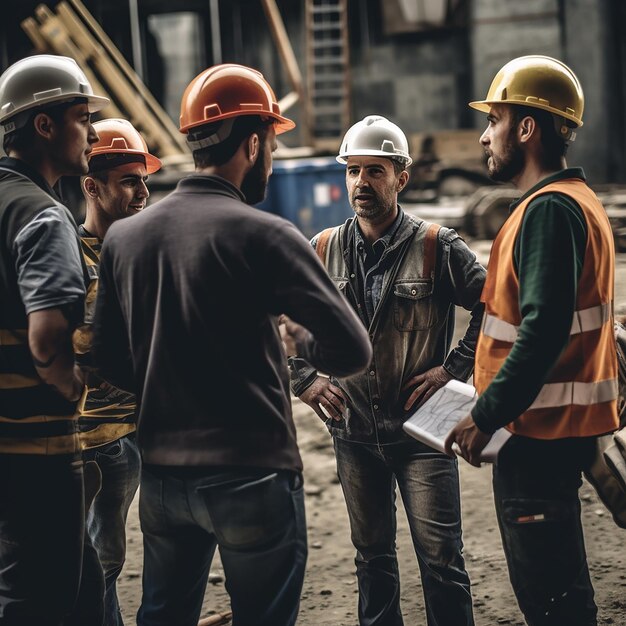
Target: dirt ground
329	597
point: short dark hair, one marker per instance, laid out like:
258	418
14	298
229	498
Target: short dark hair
24	137
398	166
222	152
101	175
554	147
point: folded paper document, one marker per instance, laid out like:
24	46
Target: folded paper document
432	422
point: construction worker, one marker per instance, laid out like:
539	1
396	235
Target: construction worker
114	188
45	108
403	276
546	365
196	284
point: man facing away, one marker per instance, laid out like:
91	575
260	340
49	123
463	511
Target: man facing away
403	276
197	283
114	188
546	366
45	107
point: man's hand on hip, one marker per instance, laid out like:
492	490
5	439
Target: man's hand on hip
425	385
326	399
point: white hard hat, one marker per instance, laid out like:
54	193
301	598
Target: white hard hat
41	80
375	135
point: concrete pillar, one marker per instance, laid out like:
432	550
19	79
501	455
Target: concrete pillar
585	51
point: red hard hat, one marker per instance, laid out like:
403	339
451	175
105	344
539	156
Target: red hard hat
116	136
229	90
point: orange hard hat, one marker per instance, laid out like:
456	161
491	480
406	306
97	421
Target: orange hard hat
116	136
229	90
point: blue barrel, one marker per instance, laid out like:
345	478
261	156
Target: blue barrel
309	192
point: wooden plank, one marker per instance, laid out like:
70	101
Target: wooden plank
53	31
31	28
286	102
217	620
277	27
100	35
125	94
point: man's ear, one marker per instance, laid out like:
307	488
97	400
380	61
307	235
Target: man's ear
253	147
44	125
527	128
90	187
403	179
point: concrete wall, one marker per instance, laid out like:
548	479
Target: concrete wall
419	80
419	85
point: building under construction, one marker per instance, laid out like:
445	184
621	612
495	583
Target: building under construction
332	62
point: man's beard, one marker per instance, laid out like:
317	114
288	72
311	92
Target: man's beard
376	212
509	165
254	184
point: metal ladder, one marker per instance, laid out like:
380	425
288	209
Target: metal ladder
328	76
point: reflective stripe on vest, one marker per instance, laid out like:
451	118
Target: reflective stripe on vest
577	393
34	419
584	320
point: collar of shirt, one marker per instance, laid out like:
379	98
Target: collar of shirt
204	183
570	172
20	167
381	244
84	233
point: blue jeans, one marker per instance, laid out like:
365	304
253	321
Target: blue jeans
41	538
535	486
255	516
120	464
429	486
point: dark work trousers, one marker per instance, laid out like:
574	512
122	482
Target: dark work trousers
535	485
89	607
255	516
42	523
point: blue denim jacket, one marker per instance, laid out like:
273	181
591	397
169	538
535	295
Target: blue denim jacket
412	327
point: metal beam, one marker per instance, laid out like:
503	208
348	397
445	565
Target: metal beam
216	36
135	36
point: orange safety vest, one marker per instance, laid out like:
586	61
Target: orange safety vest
579	397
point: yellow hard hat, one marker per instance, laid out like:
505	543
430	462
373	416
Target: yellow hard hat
541	82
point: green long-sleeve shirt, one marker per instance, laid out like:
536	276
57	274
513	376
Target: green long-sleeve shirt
548	259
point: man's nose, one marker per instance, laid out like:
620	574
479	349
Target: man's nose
142	190
92	135
361	179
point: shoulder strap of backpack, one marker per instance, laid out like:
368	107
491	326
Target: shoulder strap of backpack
430	249
322	244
